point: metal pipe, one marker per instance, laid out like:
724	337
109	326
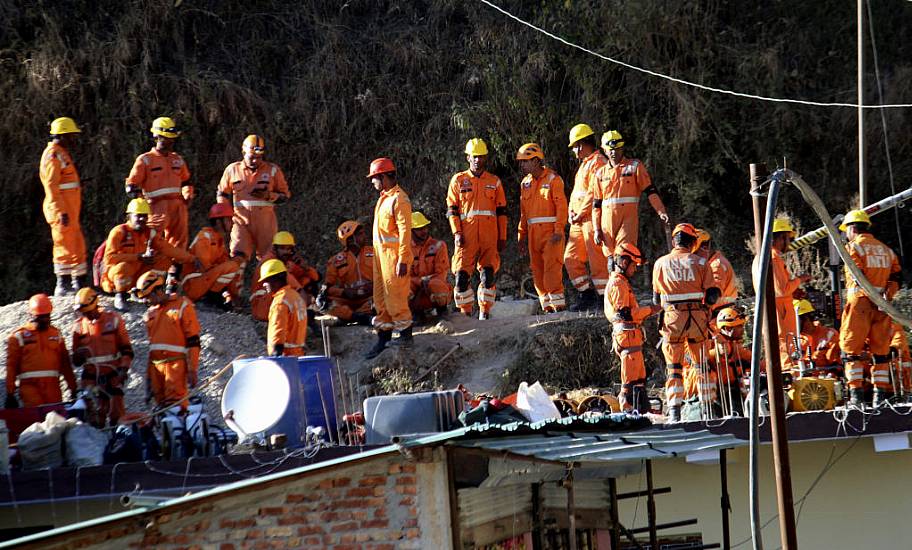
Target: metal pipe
571	511
142	501
726	503
615	514
651	508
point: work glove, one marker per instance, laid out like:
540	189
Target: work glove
401	269
147	259
64	219
458	239
134	192
188	192
11	402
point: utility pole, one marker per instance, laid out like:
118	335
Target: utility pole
862	188
778	432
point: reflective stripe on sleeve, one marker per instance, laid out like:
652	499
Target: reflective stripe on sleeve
162	191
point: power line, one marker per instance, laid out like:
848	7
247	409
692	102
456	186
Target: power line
686	82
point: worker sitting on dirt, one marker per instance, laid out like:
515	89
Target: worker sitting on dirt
348	289
162	177
477	211
287	329
901	360
626	317
817	346
723	274
616	194
301	276
174	342
62	205
101	346
581	248
132	249
542	217
683	283
429	287
218	278
863	323
36	355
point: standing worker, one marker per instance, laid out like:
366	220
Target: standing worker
477	210
348	289
286	331
392	257
723	274
683	284
581	245
616	195
626	317
254	186
902	358
862	321
36	355
162	177
62	203
101	346
430	266
218	276
542	217
174	342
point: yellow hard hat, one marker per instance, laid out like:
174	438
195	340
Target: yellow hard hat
419	221
347	229
270	268
530	151
612	139
254	144
702	237
283	238
149	281
803	306
729	317
64	125
579	132
783	225
139	206
86	299
855	216
476	147
165	127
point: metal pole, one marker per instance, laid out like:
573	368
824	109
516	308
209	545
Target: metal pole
774	385
726	503
571	511
615	516
651	508
862	190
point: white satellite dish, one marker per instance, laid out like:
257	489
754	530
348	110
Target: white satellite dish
256	397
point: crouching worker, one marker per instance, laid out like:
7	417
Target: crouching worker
301	276
174	342
287	323
626	316
348	289
217	279
430	288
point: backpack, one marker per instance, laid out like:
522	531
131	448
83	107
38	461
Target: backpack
98	265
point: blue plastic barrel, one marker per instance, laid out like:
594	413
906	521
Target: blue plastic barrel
292	423
318	379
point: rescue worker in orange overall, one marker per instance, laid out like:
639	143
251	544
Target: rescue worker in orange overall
723	274
581	247
477	210
431	264
899	351
862	322
626	317
301	276
218	277
162	177
616	195
101	346
392	257
254	186
542	217
287	325
818	344
726	362
348	289
683	284
36	355
132	249
62	203
174	342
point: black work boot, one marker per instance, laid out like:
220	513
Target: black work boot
880	398
674	413
856	397
80	281
640	399
361	319
63	285
586	301
405	339
383	338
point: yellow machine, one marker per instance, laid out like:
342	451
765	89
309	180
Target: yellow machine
814	394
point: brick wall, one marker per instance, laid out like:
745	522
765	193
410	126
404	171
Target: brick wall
370	505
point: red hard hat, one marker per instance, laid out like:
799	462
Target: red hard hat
631	251
381	165
220	210
685	228
40	304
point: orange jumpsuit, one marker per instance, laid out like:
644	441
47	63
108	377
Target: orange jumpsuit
819	346
254	218
160	177
37	359
392	236
429	286
287	323
784	286
680	279
625	316
345	271
106	345
477	208
218	272
900	343
581	245
123	249
726	362
724	277
174	349
542	214
616	196
300	275
862	323
62	195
